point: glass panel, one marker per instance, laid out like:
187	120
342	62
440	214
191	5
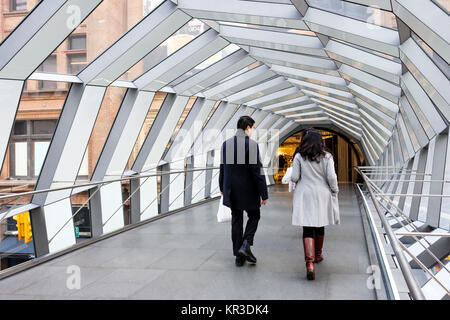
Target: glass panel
211	113
21	159
438	61
20	128
381	54
356	11
268	28
183	36
444	221
180	123
101	29
408	200
426	185
40	151
81	216
81	221
151	115
211	60
35	121
105	119
250	67
84	168
44	126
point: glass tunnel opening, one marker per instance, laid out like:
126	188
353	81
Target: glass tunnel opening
345	151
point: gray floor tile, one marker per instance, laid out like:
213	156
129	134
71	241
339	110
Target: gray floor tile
136	258
182	259
89	257
108	290
349	287
175	284
132	275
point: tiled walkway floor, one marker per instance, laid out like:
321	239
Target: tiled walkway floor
188	256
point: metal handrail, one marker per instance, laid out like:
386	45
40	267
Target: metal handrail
391	287
423	234
130	196
405	267
416	234
411	225
93	184
123	202
97	183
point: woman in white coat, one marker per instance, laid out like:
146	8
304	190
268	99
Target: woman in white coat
315	203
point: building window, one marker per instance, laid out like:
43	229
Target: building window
48	66
17	5
76	62
77	42
28	147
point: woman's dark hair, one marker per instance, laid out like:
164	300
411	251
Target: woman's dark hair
311	146
245	121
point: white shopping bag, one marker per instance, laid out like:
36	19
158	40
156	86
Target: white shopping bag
287	176
224	213
287	179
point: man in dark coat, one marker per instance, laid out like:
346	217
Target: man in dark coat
243	186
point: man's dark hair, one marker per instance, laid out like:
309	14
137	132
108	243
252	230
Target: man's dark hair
245	121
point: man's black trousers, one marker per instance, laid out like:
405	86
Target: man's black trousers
237	221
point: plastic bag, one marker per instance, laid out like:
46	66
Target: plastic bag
287	179
223	213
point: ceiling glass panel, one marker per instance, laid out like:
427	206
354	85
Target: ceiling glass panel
381	54
183	36
211	60
248	68
268	28
356	11
438	61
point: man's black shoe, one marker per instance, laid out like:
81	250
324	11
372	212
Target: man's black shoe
246	252
240	261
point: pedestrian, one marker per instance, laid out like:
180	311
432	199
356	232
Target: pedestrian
243	186
315	203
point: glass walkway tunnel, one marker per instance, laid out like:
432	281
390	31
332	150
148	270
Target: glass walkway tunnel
113	113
